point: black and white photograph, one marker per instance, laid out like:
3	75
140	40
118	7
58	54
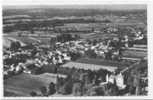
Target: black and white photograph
73	50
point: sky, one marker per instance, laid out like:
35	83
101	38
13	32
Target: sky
102	4
73	3
97	6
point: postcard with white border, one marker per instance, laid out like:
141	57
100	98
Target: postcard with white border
58	49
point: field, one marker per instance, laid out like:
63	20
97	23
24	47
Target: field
23	84
97	36
29	39
134	54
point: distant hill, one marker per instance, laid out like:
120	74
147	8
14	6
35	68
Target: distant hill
70	10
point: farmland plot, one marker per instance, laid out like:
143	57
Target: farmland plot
16	84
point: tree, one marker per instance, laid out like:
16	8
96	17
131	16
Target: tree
18	45
91	53
33	94
15	45
64	37
52	89
77	37
94	42
89	41
99	92
74	56
31	31
43	91
77	89
108	55
68	87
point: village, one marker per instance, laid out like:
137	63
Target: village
72	61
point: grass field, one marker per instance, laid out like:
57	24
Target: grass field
97	36
23	84
134	54
28	40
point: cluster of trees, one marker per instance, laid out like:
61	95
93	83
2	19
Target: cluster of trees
15	45
75	56
45	91
143	41
79	82
64	37
67	37
90	53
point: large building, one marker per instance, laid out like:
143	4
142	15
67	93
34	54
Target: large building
94	64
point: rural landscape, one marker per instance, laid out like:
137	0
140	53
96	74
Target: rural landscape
74	51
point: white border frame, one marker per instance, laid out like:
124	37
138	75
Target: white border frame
149	4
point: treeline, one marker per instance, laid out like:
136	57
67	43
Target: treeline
67	37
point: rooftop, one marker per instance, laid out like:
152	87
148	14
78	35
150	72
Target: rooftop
86	66
98	61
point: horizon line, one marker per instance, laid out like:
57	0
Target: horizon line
85	6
